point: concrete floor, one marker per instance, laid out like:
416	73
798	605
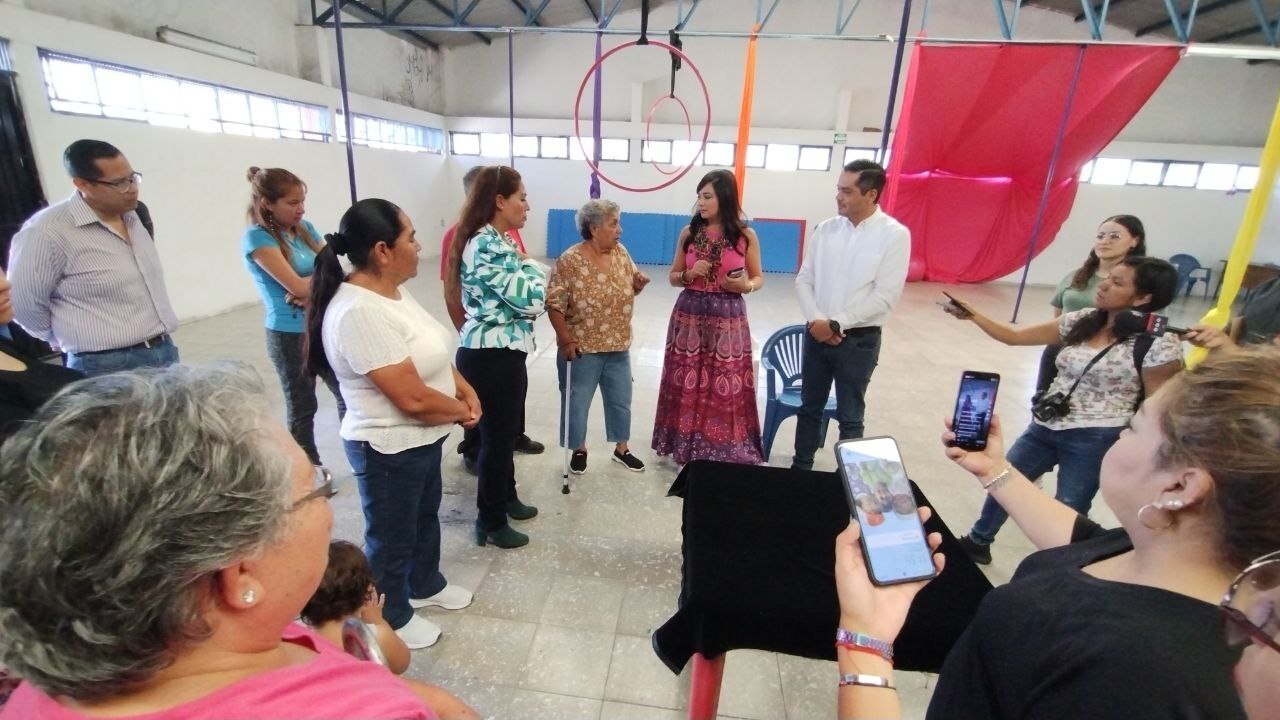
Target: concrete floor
560	629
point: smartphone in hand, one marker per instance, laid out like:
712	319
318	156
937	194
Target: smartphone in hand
975	401
736	273
875	483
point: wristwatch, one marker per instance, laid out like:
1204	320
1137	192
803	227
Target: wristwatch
835	326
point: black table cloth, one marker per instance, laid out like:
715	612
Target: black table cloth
758	570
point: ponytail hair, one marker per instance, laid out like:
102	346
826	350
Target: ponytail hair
363	226
268	186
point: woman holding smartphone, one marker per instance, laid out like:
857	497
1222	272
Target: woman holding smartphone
707	398
1127	623
1098	386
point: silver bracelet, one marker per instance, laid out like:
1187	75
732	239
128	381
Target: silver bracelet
999	480
866	681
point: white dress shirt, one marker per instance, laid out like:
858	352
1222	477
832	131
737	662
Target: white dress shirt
84	288
854	274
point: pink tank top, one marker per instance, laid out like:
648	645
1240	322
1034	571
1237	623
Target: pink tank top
710	245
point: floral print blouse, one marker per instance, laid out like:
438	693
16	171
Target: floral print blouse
596	305
501	293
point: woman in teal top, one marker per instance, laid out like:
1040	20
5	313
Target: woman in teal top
502	292
279	250
1119	236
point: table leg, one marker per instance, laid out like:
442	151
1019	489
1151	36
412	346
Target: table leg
704	687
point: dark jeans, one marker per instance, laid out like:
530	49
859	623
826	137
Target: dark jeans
500	380
400	494
849	365
1078	454
299	385
101	363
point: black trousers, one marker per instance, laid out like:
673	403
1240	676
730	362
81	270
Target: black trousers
501	381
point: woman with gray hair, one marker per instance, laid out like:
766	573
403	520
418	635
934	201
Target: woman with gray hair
590	300
159	534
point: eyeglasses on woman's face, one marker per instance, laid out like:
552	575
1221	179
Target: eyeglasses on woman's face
1252	602
324	488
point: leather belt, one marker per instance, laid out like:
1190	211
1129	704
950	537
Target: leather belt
147	344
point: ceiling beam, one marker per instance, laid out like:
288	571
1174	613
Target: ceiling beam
1097	8
1167	22
1242	32
525	12
595	16
418	37
460	21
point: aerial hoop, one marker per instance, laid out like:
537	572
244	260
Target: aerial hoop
648	127
577	123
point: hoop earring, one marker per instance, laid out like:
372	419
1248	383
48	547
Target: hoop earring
1156	509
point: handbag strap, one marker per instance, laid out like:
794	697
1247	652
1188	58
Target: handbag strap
1092	362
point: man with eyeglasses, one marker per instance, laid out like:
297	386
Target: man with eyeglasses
85	272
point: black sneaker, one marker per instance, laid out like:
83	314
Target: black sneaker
978	553
578	463
631	462
529	446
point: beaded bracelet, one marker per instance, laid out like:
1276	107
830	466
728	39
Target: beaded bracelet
864	643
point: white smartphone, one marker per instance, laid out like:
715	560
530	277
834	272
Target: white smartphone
880	498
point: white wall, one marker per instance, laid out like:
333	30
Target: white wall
195	183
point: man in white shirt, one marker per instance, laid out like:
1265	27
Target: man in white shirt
855	265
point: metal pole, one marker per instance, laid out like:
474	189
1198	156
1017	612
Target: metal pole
511	97
1048	181
893	84
346	101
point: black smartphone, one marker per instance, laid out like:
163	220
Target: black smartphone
880	499
975	402
953	300
736	273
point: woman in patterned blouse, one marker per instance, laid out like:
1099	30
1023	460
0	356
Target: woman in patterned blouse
1105	394
502	291
707	396
590	301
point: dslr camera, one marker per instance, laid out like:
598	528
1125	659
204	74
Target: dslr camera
1051	406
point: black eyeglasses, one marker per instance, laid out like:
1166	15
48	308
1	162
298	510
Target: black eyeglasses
121	186
1250	604
324	488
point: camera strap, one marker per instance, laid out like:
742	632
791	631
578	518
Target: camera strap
1092	362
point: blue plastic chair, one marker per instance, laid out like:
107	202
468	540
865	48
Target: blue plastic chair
781	355
1190	271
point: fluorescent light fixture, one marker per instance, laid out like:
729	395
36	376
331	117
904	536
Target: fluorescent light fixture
1240	52
204	45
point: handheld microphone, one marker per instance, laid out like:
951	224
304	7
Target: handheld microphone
1132	321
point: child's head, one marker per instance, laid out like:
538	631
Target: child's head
345	586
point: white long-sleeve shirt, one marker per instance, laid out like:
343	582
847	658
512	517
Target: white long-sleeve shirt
854	274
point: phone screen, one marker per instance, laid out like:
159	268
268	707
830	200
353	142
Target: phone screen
893	540
975	402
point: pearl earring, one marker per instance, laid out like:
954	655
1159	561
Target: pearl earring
1173	505
249	596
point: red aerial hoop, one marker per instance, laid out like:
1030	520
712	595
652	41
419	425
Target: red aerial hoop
706	130
648	127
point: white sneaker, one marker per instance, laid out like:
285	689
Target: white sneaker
451	597
419	633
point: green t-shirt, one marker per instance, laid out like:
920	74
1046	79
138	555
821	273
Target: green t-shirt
1071	299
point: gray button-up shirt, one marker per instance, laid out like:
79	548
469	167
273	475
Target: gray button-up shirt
82	287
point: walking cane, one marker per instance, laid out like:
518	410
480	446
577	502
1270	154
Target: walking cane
564	419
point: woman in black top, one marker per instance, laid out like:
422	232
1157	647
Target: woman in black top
25	382
1114	623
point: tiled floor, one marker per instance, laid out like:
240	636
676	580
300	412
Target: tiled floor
560	628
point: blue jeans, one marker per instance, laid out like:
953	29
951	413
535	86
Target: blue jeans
611	371
101	363
1078	454
400	494
849	365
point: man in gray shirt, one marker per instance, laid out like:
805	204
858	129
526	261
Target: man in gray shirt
85	273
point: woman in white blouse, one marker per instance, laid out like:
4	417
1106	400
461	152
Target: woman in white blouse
403	395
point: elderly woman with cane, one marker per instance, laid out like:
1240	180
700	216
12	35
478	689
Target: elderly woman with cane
591	297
